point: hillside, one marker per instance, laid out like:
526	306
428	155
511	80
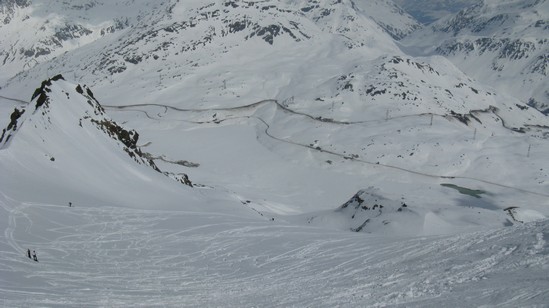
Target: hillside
65	148
271	153
174	32
502	43
104	256
429	11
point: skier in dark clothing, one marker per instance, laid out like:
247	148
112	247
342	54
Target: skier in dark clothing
29	253
34	256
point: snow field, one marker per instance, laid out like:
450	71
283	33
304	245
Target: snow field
260	226
341	158
104	256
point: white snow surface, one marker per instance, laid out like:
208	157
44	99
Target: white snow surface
328	167
106	256
252	232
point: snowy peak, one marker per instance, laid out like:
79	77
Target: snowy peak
63	114
361	23
371	212
428	11
502	18
397	22
196	33
43	98
496	42
35	31
218	27
368	207
266	20
41	105
399	86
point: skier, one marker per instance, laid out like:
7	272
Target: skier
34	256
29	253
70	204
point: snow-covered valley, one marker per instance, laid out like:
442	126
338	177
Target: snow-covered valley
275	153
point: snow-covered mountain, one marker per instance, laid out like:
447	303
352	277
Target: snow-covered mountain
316	74
65	147
397	22
265	153
501	43
34	32
428	11
137	31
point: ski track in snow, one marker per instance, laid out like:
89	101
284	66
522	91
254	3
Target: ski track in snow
104	256
13	214
108	256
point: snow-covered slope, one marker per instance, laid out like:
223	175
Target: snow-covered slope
35	31
297	123
63	148
320	85
293	158
428	11
189	32
386	14
105	256
370	211
501	43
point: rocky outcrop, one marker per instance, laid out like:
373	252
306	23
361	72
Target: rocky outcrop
45	108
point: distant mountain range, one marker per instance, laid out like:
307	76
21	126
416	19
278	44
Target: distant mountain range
501	43
428	11
274	153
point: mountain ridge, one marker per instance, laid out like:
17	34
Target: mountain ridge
334	160
68	129
496	42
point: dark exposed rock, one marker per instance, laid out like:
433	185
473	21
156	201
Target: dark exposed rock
42	92
69	32
8	7
12	126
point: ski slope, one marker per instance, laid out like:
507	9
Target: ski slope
245	234
274	153
105	256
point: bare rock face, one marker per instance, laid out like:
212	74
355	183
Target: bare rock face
8	7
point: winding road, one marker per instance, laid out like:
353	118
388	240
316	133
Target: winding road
132	107
328	121
14	100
